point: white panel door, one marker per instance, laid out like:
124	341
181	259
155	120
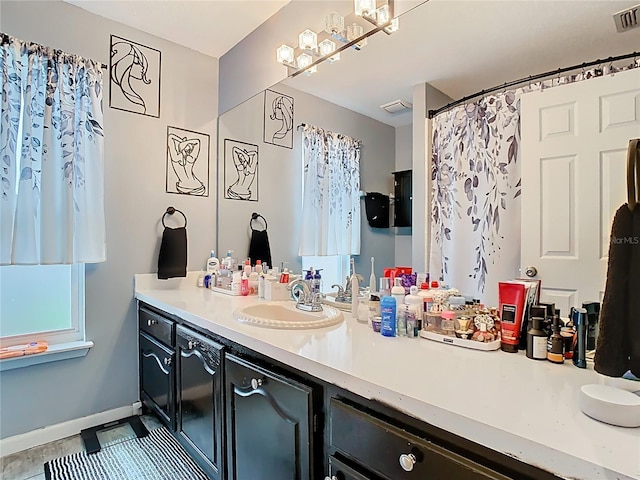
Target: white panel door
574	141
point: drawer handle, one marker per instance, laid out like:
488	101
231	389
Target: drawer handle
407	461
256	382
192	345
151	322
167	360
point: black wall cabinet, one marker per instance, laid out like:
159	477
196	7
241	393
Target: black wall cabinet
402	193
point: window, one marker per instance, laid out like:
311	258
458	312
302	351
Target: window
41	302
335	270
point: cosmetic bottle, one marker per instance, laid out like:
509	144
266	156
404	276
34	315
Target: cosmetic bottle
397	292
244	285
537	340
317	281
213	264
555	344
579	317
388	314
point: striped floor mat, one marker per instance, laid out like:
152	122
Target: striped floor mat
158	456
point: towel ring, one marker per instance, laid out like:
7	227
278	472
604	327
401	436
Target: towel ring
171	211
255	216
633	173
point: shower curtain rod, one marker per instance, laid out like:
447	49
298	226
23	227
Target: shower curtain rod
4	38
529	79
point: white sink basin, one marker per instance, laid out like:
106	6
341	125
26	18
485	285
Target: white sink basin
286	315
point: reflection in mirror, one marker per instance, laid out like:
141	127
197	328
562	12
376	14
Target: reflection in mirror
439	47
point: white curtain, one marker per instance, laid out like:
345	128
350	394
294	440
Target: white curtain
475	204
51	150
331	194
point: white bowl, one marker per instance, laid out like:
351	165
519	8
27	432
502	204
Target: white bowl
610	405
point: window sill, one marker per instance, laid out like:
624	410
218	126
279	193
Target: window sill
61	351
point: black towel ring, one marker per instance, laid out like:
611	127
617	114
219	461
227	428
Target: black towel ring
255	216
171	211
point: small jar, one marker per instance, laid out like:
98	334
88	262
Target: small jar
376	323
448	323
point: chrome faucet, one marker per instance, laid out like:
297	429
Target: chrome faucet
306	299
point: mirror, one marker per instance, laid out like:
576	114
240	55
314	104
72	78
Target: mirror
458	49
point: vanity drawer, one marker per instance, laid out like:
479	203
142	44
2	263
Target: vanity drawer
393	453
156	325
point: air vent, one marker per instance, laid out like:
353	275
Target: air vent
627	19
396	107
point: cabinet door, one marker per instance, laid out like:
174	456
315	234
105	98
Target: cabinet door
157	379
269	424
199	390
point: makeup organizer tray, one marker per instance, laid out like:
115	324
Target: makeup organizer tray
461	342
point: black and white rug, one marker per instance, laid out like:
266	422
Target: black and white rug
158	456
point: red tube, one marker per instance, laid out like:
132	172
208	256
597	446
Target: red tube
512	298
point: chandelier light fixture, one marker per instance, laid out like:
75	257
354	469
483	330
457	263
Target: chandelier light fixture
338	35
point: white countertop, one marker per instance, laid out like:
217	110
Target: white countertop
523	408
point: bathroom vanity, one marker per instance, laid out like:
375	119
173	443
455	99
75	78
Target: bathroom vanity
344	402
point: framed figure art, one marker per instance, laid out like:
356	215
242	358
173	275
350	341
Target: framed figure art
278	119
187	162
240	170
134	77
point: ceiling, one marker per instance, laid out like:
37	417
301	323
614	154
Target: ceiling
459	47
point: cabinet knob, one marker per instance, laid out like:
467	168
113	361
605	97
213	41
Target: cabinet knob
151	321
256	382
332	477
167	361
192	345
407	461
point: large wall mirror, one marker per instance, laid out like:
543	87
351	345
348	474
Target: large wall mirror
458	48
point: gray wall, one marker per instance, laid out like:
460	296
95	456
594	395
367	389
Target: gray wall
135	156
280	178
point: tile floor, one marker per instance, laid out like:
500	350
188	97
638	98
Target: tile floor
29	464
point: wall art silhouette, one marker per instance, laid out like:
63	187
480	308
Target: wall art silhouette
187	162
240	170
278	119
134	77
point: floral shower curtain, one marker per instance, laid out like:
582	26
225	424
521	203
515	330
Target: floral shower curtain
331	194
475	204
51	150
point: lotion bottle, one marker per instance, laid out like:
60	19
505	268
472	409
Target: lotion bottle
213	264
244	285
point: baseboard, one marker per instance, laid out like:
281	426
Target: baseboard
31	439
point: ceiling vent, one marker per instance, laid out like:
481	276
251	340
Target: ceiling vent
396	107
627	19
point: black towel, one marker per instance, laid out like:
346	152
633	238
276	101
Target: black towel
620	303
259	247
377	208
172	260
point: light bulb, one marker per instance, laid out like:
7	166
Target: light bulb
303	61
334	23
364	7
284	54
383	15
326	48
308	40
